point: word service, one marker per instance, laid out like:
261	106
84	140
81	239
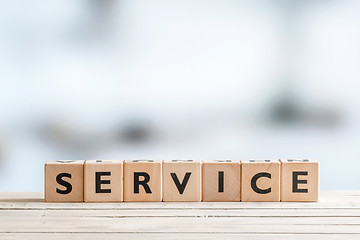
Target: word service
289	180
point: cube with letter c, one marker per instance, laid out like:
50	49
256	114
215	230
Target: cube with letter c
260	181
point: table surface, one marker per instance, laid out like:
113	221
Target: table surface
27	216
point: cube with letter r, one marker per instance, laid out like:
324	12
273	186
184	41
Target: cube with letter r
142	181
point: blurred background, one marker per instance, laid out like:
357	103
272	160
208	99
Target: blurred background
130	79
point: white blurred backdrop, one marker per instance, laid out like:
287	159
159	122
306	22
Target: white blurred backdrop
133	79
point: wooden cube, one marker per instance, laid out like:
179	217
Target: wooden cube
64	181
221	181
103	181
182	181
299	180
142	181
260	181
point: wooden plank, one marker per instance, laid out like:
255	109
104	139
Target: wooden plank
174	225
26	216
245	220
183	213
166	236
337	200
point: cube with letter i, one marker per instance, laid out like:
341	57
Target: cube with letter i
142	181
260	181
299	180
221	181
64	181
182	181
103	181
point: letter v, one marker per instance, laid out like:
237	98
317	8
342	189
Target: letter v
181	186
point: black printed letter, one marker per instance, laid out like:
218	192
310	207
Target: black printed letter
296	182
143	183
254	180
181	186
221	181
98	182
66	184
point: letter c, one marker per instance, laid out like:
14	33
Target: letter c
254	180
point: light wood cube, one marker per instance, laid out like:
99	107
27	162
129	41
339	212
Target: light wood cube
260	181
64	181
103	181
182	181
142	181
299	180
221	181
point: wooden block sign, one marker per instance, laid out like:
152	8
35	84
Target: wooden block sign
221	181
299	180
182	181
142	181
291	180
260	181
103	181
64	181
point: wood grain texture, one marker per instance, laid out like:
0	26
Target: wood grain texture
224	173
307	188
267	186
153	170
110	181
70	172
335	216
186	173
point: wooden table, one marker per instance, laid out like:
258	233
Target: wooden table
26	216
